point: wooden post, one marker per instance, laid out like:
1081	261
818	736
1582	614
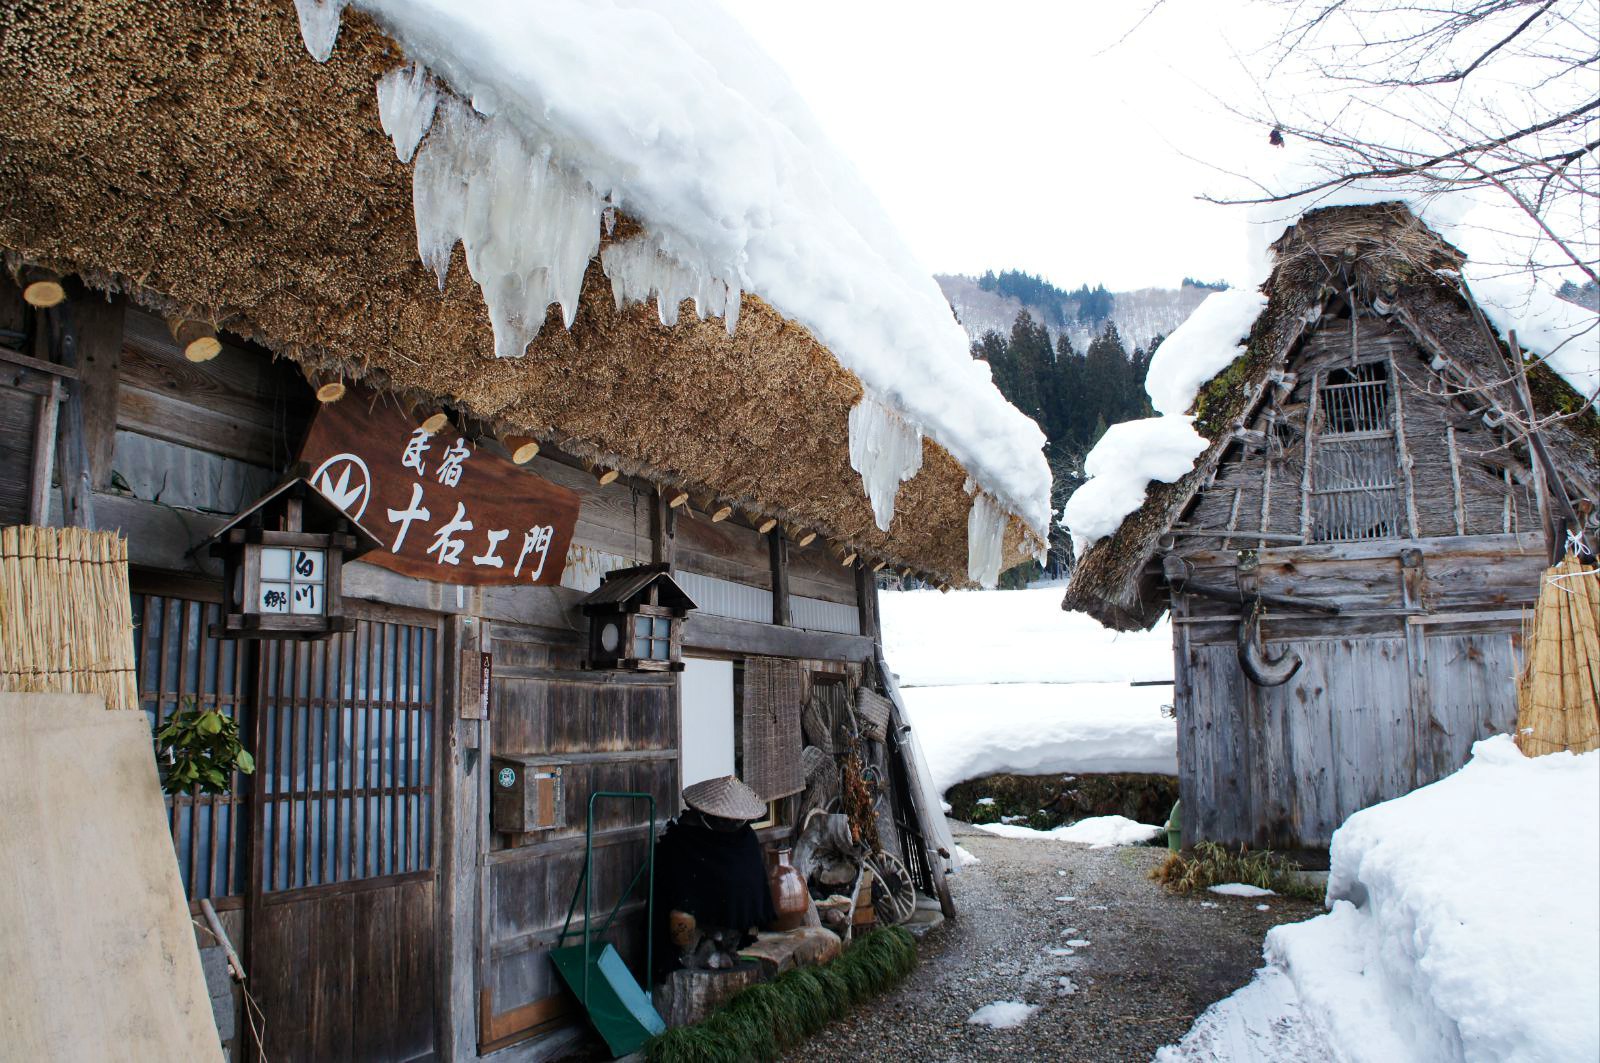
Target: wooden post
44	455
464	768
77	494
778	550
1415	527
1455	480
99	326
867	601
1412	580
663	530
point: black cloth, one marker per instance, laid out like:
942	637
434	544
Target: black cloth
719	877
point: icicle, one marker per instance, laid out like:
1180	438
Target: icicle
529	228
319	25
406	99
638	269
986	533
886	451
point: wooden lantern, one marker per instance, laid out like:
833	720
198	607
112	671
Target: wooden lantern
636	620
282	560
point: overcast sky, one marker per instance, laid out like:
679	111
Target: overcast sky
1016	134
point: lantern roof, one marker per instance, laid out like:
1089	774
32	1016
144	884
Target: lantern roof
627	586
320	515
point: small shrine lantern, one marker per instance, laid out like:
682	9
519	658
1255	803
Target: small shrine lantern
281	564
636	620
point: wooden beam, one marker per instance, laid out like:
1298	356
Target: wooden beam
778	552
702	631
522	449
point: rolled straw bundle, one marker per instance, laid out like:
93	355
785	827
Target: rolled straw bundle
1558	694
66	617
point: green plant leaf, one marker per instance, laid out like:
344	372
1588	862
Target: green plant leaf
245	762
211	722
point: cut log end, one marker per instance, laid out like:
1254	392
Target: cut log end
766	525
434	422
332	391
604	476
878	566
521	448
196	339
801	537
721	513
675	499
44	293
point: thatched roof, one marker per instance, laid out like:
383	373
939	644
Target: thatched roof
194	156
1380	249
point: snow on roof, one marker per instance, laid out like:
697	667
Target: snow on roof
668	110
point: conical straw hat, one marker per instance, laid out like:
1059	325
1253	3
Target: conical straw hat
726	797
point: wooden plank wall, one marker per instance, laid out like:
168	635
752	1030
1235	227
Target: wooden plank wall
620	733
1389	697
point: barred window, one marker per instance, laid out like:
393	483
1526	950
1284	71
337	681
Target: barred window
1355	482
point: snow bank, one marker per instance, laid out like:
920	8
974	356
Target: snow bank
668	110
1464	923
1097	832
1121	467
1004	681
1037	729
1003	1014
992	637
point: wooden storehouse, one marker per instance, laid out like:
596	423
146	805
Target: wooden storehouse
212	285
1347	565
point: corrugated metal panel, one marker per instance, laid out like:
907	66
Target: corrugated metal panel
818	615
721	597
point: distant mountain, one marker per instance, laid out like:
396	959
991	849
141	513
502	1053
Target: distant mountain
991	303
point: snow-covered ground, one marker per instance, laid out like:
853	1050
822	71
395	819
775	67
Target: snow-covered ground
1465	925
1097	832
1005	681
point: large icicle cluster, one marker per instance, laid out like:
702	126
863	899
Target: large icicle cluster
986	536
529	227
638	269
886	450
406	100
671	111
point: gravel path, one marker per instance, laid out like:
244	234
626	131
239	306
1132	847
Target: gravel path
1152	961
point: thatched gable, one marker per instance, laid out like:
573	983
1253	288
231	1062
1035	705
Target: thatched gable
195	157
1379	253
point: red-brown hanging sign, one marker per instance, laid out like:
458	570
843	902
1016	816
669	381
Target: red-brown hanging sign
444	509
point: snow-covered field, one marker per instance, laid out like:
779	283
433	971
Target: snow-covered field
1465	925
1004	681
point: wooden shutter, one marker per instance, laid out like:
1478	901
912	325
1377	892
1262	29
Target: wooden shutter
771	718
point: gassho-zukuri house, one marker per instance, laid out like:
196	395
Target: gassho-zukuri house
496	302
1348	561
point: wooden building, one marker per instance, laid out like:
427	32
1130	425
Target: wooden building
223	288
1347	565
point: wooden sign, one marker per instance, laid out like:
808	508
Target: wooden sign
444	509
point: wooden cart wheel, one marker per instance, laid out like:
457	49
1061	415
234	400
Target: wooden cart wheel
894	895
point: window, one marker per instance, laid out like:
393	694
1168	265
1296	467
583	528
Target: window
1355	484
708	734
652	638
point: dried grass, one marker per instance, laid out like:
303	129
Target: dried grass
66	619
1558	693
